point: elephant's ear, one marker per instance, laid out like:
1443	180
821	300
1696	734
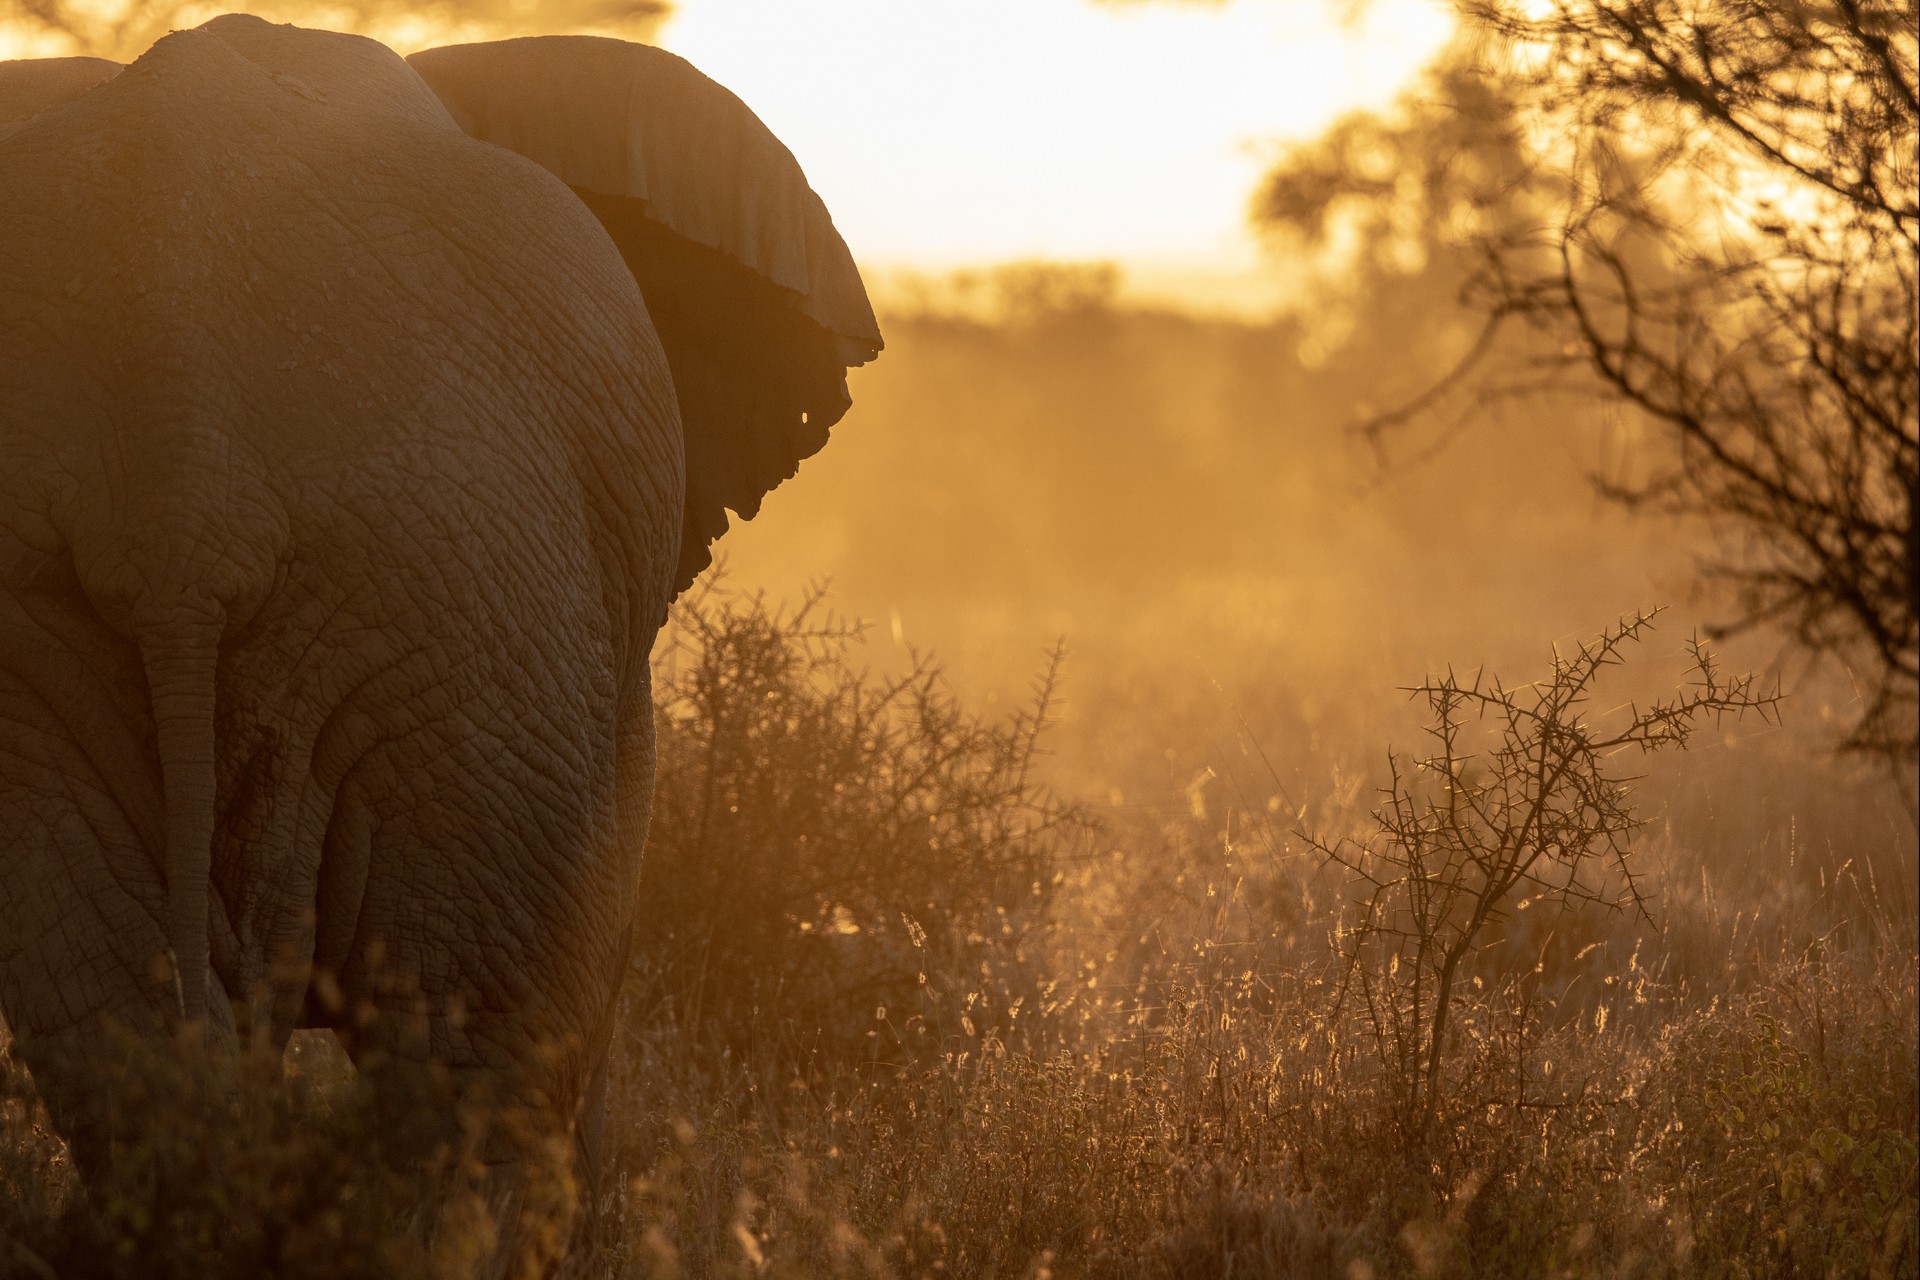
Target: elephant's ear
754	294
34	85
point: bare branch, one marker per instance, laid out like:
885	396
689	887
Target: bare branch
1538	813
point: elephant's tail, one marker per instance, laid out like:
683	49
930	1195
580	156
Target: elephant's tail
180	680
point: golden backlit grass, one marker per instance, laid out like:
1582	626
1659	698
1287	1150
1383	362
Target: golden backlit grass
1005	1041
1767	1130
1726	1088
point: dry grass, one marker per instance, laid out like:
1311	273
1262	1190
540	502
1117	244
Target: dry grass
1727	1088
267	1166
962	1030
1764	1132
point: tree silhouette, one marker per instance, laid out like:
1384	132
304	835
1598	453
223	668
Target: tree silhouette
1706	213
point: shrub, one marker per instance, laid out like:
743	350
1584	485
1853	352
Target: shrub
859	862
1533	813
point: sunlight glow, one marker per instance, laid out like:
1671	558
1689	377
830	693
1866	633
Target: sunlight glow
942	135
945	136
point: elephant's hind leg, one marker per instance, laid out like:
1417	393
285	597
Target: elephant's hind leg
84	974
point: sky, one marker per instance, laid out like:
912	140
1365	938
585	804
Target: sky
947	135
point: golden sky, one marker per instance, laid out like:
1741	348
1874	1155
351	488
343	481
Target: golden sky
948	135
945	134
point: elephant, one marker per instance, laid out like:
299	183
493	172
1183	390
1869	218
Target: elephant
360	419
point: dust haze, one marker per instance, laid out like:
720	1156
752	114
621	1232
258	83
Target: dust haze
1235	568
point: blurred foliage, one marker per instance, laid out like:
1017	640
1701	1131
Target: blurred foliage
255	1166
1706	214
1377	196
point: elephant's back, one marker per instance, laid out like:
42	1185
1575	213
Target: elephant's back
296	211
269	251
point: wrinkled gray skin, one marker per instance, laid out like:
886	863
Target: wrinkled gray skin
340	501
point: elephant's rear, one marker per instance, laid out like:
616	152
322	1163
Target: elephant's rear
323	412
